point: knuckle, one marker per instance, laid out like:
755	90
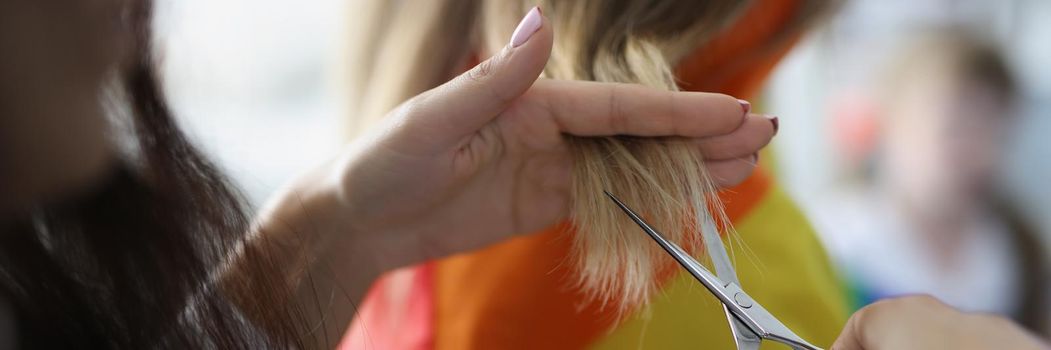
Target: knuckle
486	69
756	143
732	107
480	79
727	99
481	72
736	147
617	117
727	123
411	106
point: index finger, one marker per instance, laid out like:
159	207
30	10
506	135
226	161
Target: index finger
585	108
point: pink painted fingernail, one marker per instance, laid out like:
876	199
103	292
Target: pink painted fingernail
773	119
529	25
745	105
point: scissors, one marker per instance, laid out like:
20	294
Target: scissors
749	321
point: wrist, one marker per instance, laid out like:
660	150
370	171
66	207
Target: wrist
312	219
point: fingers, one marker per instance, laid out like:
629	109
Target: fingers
602	109
469	101
732	158
732	172
889	323
754	134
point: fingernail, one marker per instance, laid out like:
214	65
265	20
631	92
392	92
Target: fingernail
745	105
773	119
529	25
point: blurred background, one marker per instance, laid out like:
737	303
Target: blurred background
915	140
255	82
913	133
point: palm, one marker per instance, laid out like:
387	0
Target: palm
509	177
520	169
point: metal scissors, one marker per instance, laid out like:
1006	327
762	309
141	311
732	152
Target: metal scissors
749	321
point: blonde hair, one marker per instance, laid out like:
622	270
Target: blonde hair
637	41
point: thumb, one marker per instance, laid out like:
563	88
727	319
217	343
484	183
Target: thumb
466	103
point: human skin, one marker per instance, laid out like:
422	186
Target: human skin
923	322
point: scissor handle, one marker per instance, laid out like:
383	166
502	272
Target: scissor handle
760	321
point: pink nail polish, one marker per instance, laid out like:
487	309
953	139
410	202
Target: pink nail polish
529	25
745	105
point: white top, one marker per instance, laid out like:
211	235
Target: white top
872	244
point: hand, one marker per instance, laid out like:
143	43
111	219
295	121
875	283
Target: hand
483	157
469	163
922	322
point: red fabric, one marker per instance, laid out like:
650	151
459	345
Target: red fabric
397	313
739	61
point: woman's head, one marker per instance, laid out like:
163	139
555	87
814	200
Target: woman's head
950	103
112	225
57	55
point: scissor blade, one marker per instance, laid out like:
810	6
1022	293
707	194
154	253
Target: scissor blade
674	250
713	245
709	280
747	318
744	337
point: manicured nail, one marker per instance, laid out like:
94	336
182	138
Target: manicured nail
529	25
745	105
773	119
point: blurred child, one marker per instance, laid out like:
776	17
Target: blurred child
930	220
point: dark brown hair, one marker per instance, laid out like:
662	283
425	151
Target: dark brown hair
133	262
